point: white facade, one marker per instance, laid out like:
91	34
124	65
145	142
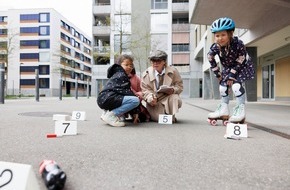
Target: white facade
43	39
160	24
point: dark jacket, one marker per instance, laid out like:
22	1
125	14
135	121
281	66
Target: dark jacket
116	88
235	58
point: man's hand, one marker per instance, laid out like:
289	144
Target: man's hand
169	91
153	102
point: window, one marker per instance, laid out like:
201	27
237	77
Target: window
159	22
44	57
29	56
180	47
44	31
123	6
44	83
27	43
29	30
122	24
44	44
159	4
124	45
35	43
44	69
3	31
44	17
3	45
3	18
29	17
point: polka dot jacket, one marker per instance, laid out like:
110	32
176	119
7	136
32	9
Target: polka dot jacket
115	89
236	64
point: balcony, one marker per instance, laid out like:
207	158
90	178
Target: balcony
102	49
180	27
180	7
101	30
102	9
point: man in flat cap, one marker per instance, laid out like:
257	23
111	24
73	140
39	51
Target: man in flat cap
161	87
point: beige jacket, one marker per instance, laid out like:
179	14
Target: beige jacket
166	104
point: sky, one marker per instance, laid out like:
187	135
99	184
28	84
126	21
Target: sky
70	9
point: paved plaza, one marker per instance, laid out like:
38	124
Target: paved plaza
190	154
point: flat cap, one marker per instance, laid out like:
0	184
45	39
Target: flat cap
158	54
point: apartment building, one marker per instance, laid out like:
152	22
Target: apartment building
137	27
264	27
41	42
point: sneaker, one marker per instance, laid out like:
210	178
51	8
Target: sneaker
222	110
103	114
111	119
239	114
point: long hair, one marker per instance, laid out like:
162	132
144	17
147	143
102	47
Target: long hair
121	58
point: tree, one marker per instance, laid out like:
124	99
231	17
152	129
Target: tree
7	47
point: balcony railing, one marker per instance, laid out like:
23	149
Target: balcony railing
102	49
180	27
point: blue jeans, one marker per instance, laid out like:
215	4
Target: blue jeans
128	103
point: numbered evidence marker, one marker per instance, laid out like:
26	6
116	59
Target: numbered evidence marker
78	115
60	117
17	176
62	128
236	130
165	119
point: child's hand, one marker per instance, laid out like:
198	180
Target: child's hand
230	82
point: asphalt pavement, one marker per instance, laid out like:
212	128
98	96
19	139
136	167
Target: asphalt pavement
190	154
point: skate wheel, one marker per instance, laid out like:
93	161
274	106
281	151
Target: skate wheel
213	122
225	122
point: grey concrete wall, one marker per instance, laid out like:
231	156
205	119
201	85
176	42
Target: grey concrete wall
251	85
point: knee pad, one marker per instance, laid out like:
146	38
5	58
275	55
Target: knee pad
238	89
224	91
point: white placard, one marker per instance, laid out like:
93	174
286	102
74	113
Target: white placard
17	176
61	117
78	115
65	128
165	119
237	130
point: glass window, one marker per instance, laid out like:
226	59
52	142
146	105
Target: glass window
29	43
3	18
122	6
27	17
44	17
44	57
29	56
44	83
159	4
3	31
44	44
3	45
44	69
122	24
159	22
29	30
44	30
124	45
